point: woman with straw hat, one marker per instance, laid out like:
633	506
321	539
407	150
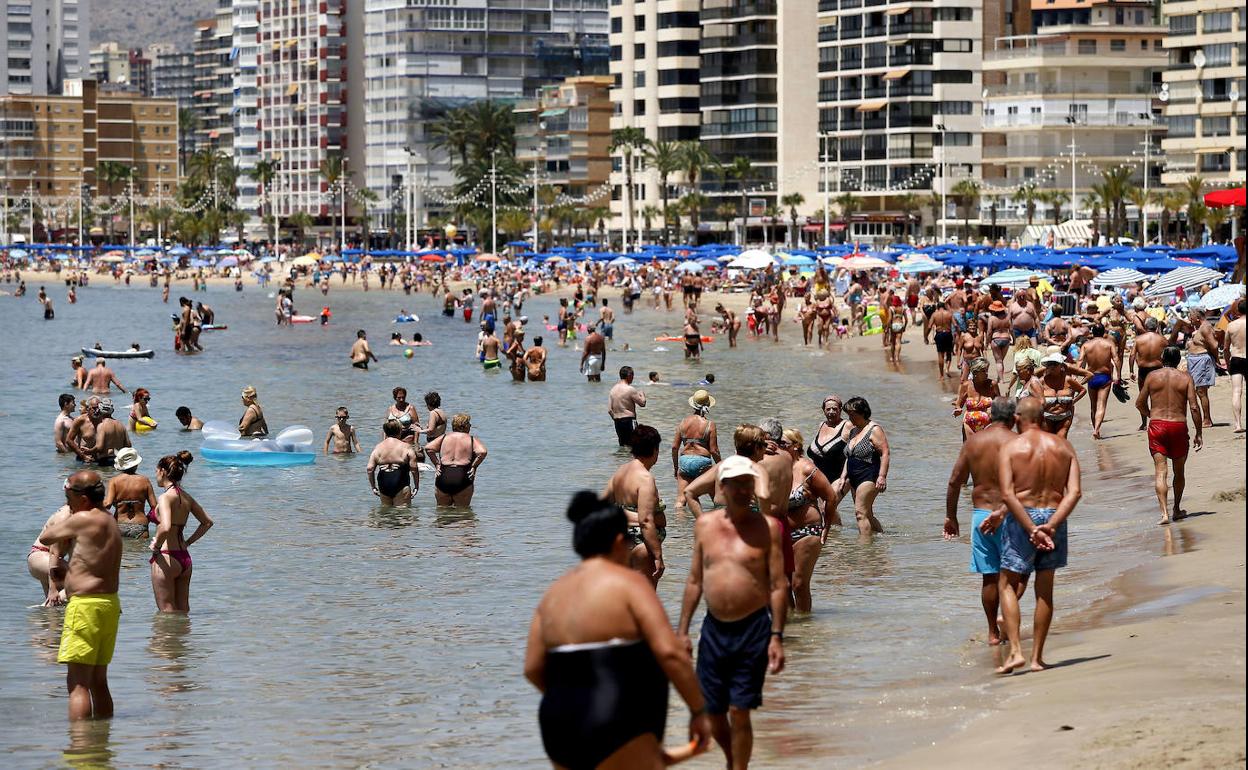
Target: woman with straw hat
127	492
695	447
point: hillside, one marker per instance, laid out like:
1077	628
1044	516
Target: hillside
141	24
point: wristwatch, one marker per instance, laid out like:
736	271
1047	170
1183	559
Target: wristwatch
779	634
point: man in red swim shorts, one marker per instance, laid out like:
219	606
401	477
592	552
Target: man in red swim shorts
1163	398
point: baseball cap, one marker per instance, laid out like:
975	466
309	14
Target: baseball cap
735	466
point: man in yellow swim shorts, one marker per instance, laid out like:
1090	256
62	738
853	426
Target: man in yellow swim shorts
89	631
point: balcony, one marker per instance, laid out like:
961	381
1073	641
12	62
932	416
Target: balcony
1058	120
1070	88
740	9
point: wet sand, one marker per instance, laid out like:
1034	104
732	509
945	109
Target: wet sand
1154	675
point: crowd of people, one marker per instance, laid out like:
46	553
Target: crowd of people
601	648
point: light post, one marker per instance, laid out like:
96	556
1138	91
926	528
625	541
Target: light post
494	201
538	154
1072	121
1234	95
342	206
30	202
82	191
412	228
1148	146
825	140
944	225
130	196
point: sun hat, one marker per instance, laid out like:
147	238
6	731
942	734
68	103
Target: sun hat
249	392
996	307
105	406
1053	358
701	400
735	466
127	458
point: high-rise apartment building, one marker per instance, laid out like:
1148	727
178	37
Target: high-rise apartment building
423	59
656	67
302	84
900	94
214	80
1204	91
117	68
173	73
758	80
1088	75
566	132
53	144
245	111
43	43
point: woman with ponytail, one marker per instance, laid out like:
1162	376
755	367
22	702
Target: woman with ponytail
171	559
602	653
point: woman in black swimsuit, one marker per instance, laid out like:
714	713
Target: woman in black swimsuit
602	652
866	463
827	448
455	457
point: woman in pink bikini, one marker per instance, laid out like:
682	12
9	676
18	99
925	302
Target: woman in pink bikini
171	561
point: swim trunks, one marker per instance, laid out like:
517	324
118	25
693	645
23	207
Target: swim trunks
693	466
1098	381
1017	552
985	549
592	366
491	363
1168	438
1200	366
624	427
1239	365
912	301
1020	333
1143	373
608	331
944	342
732	661
360	364
634	534
89	630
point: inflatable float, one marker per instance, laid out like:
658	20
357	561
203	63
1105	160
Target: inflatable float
223	445
406	319
214	327
144	424
681	339
302	319
97	353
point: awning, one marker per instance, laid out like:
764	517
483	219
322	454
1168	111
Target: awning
897	74
292	43
1223	198
897	11
554	112
213	134
873	106
292	89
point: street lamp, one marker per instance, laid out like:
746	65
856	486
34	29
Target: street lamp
342	205
539	151
1148	146
412	224
944	225
494	201
1234	96
1072	121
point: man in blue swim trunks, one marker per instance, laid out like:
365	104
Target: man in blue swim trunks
978	461
1099	356
1040	485
737	559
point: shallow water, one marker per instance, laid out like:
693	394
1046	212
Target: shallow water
329	631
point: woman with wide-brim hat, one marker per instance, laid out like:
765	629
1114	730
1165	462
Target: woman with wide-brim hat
695	447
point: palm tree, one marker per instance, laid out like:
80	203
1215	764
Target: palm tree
159	217
1116	182
692	204
600	215
365	198
108	174
1193	188
451	135
1028	195
188	125
772	213
648	214
1214	220
936	206
1139	199
666	159
300	221
332	172
726	213
694	159
792	201
514	223
1197	218
264	172
1056	199
627	141
1094	199
1170	202
910	205
740	170
966	198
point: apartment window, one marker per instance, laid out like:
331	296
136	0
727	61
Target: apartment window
678	48
639	23
639	106
1087	46
639	80
953	14
679	77
1219	126
1037	110
617	53
1218	22
953	76
617	25
687	104
1117	45
1183	25
957	45
955	108
1218	55
1012	109
639	50
679	20
1029	172
1079	112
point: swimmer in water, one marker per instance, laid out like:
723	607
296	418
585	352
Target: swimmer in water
342	434
456	457
171	557
361	353
189	421
127	493
394	467
633	487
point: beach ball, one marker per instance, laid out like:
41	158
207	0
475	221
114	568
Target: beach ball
450	231
407	353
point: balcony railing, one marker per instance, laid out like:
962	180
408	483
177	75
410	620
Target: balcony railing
1069	87
1052	120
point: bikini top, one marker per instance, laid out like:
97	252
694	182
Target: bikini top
404	418
977	403
704	439
800	497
